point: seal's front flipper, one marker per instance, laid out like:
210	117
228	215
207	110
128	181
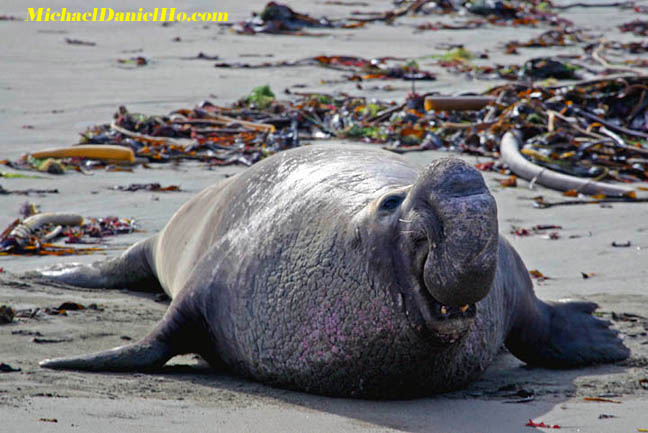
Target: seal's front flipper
130	270
555	334
563	335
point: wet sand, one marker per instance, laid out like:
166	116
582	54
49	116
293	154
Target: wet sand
59	89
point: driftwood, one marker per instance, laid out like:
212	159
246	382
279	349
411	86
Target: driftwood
510	153
458	103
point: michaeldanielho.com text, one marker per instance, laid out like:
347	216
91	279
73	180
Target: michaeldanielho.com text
109	14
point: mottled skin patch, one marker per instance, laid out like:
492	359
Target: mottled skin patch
341	270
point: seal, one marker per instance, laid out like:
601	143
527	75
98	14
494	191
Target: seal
345	271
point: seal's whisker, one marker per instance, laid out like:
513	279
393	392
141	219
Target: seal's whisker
404	221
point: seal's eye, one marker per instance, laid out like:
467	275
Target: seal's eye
391	202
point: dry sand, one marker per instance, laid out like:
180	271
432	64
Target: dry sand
60	89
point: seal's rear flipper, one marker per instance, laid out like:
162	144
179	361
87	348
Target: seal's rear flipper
563	335
180	331
130	270
141	356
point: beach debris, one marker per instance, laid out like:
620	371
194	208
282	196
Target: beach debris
515	13
531	423
576	137
7	314
637	27
153	187
561	37
606	416
381	68
104	153
541	68
345	3
134	61
80	158
643	383
28	191
70	306
520	231
6	368
621	244
8	175
509	182
360	69
509	13
540	230
70	41
457	103
509	150
278	18
28	209
540	203
628	317
202	56
40	340
464	25
523	395
602	400
26	332
537	275
261	97
35	235
53	420
61	310
19	234
587	275
527	399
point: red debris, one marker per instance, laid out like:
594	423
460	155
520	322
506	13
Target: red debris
541	424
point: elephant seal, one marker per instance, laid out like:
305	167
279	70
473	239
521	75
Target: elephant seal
345	271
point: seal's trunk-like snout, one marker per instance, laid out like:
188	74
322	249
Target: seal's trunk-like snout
462	231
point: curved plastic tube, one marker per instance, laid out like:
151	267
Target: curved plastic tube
33	223
510	154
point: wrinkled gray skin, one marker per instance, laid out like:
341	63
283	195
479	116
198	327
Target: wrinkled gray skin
343	271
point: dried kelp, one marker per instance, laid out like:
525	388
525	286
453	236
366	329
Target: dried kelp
596	129
37	234
277	18
637	27
359	68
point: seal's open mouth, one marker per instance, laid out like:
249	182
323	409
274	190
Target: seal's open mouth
443	312
443	324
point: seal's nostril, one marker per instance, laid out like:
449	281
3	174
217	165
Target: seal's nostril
452	178
461	180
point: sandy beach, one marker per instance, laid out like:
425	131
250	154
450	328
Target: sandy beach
51	91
